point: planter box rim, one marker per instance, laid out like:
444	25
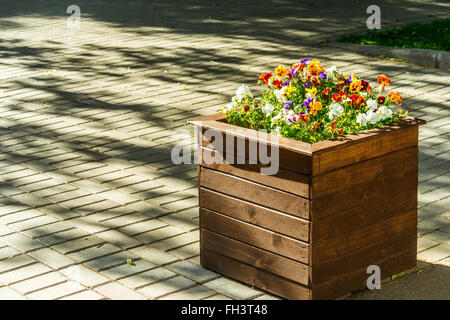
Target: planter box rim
217	121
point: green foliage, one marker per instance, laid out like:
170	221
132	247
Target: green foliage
434	35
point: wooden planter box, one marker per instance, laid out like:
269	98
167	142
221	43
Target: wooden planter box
310	231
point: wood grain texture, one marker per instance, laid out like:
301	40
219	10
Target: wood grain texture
253	192
255	236
254	214
255	257
284	180
347	242
332	269
330	155
290	157
357	280
362	172
253	276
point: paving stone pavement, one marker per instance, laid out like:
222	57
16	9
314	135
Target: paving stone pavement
89	116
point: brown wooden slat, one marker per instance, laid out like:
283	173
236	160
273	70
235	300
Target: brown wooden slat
325	271
253	192
255	257
362	172
376	209
347	242
292	159
330	155
357	280
284	180
253	276
383	187
248	212
255	236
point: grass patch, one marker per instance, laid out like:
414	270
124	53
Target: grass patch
434	35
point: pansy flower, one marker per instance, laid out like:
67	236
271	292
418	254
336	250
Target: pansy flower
323	75
281	71
395	97
265	77
381	100
383	80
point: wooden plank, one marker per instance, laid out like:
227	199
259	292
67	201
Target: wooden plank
253	192
373	209
384	186
254	214
327	270
284	180
255	257
255	236
362	172
344	243
330	155
357	280
253	276
289	158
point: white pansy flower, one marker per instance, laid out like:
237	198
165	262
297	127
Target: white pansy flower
332	72
372	104
361	119
277	117
228	107
372	117
280	94
384	113
336	110
242	91
268	109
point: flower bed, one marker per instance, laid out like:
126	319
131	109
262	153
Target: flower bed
309	103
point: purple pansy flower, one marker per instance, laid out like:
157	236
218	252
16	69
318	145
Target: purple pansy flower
307	84
307	102
293	72
323	75
288	104
348	80
305	60
286	83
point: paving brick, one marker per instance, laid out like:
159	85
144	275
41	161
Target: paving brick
9	294
435	253
119	239
62	236
186	252
218	297
8	252
439	236
159	289
424	243
83	275
52	258
192	271
154	255
147	277
78	244
15	263
56	291
195	293
159	234
126	270
21	242
39	282
47	229
23	273
88	225
32	223
117	291
232	288
84	295
180	221
142	227
177	241
111	260
93	252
